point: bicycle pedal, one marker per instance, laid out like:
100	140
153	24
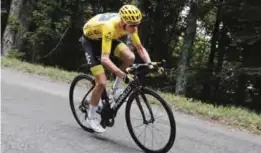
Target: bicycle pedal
110	123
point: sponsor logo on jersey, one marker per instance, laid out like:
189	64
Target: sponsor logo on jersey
88	57
93	32
108	36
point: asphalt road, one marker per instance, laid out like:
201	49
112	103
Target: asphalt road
36	118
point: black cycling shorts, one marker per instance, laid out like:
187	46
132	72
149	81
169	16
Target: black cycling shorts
92	50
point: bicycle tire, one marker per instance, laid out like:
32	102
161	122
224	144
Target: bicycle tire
71	92
170	114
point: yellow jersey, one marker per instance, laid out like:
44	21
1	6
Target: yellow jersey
106	26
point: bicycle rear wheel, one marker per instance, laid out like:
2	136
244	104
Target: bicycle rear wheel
80	89
147	104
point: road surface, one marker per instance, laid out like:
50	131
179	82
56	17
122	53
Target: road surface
36	118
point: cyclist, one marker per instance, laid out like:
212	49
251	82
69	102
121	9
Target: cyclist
100	41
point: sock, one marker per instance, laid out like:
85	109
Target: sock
92	111
117	83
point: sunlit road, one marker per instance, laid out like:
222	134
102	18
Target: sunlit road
36	118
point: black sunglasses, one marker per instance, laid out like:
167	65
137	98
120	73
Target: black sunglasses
134	25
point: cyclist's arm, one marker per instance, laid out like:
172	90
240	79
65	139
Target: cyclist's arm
105	55
141	50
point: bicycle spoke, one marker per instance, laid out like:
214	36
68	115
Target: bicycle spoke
160	122
145	136
156	142
156	138
137	118
78	105
157	110
152	137
159	130
78	112
159	133
141	132
139	125
159	117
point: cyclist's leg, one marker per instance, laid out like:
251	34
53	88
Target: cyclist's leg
91	49
100	80
123	52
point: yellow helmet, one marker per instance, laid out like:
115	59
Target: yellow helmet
130	14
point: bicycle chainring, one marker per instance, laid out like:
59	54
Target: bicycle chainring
107	116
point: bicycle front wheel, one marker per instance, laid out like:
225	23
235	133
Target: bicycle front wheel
145	110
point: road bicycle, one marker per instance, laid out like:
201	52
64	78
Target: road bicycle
136	93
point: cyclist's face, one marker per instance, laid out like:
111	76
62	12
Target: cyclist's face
131	28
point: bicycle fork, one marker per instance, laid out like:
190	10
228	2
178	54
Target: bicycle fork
145	121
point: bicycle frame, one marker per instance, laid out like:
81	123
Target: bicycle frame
126	93
110	112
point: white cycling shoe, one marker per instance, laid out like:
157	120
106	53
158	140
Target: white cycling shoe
93	122
95	125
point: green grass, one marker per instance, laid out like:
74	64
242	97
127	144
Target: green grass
53	73
237	118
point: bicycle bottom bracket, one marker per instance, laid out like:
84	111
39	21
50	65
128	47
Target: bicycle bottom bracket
107	122
110	122
107	116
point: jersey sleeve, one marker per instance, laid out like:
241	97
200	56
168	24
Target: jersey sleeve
107	31
135	38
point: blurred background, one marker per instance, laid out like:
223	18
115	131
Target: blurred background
212	47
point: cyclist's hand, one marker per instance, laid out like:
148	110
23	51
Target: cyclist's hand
127	79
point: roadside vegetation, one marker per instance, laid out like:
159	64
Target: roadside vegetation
236	118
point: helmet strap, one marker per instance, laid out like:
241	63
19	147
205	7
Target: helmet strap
124	26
